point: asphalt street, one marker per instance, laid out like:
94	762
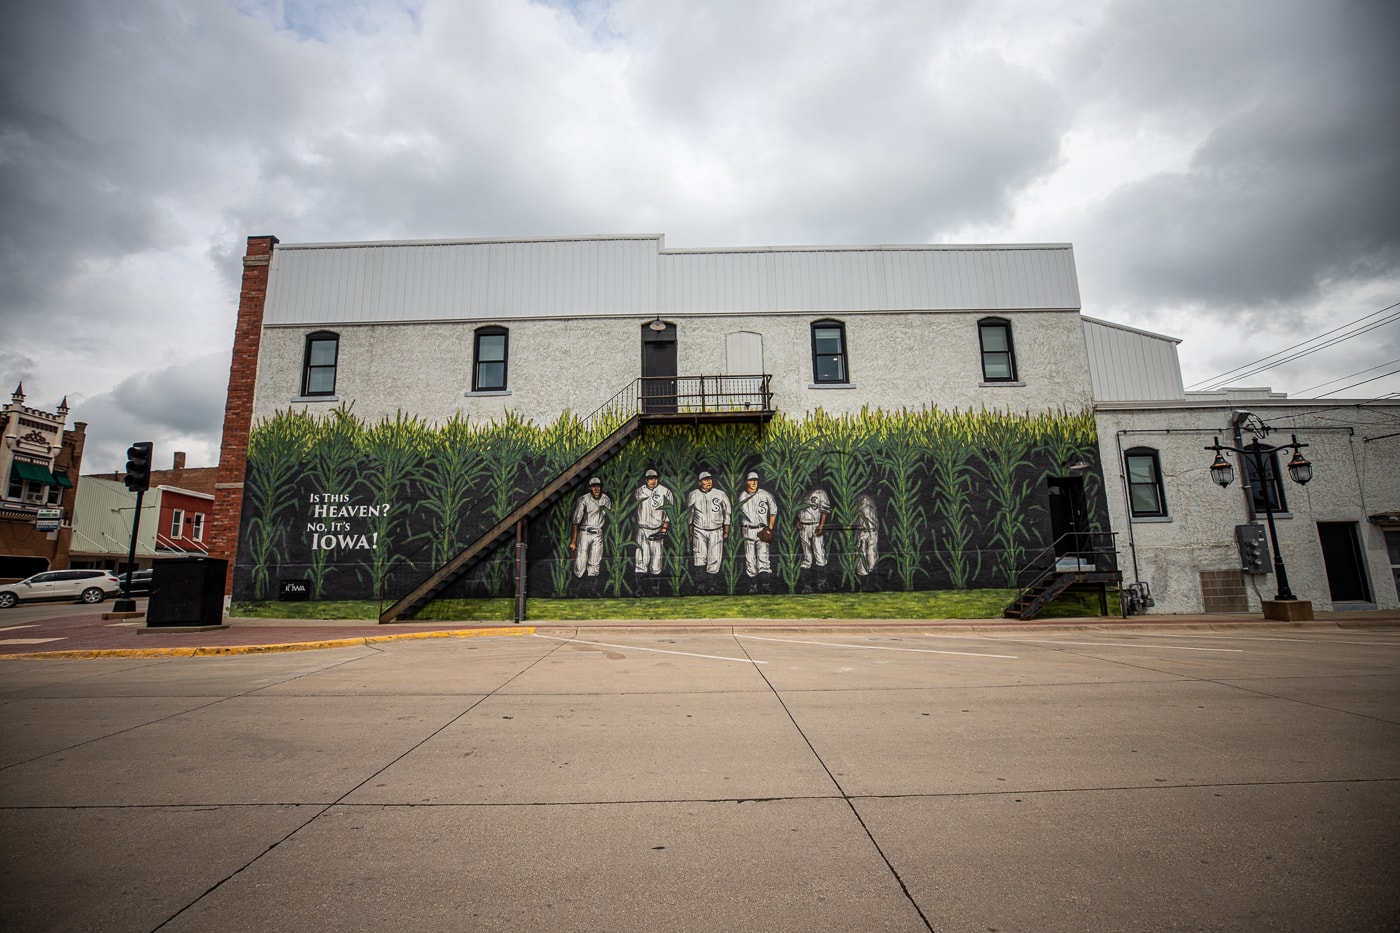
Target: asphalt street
762	780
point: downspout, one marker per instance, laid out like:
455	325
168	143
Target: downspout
1127	505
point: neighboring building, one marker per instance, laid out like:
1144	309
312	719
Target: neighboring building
174	523
40	462
409	421
1339	534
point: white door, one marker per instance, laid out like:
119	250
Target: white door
743	353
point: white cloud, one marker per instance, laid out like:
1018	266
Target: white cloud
1225	166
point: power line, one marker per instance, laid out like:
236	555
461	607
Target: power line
1347	376
1235	373
1311	350
1355	384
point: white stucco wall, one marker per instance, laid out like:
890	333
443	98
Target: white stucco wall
1356	474
896	359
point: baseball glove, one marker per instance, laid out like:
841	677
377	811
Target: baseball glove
765	534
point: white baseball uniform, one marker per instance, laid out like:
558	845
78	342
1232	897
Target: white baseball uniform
590	515
651	518
754	511
809	520
709	516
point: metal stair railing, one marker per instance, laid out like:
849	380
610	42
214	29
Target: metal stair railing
1093	553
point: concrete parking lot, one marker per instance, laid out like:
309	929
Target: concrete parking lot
605	780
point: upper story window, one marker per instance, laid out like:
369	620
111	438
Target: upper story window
491	355
1145	492
829	352
998	353
197	526
177	523
1267	485
318	371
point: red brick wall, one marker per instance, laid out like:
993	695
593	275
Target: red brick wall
238	409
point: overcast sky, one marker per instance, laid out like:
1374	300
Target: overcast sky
1227	170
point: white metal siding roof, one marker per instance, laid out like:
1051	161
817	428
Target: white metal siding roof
498	279
1126	364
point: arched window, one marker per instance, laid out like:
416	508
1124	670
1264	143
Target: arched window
829	353
998	352
319	363
1146	495
491	355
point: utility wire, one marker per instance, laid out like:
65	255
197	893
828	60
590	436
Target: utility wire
1300	392
1235	373
1311	350
1362	382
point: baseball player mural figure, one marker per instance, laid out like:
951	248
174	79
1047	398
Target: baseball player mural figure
586	539
652	522
709	523
758	513
867	534
811	527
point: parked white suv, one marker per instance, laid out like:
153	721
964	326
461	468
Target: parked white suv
90	586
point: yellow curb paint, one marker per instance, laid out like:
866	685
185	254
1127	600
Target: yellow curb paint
217	650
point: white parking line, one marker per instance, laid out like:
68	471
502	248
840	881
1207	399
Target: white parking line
828	644
26	641
1115	644
1250	637
11	628
688	654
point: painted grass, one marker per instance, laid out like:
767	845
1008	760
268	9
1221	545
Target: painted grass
941	604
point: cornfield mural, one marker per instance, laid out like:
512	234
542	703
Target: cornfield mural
906	500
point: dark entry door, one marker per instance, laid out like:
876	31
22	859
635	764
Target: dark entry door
1345	562
658	368
1067	513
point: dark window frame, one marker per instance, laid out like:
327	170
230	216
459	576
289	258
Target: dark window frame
1260	486
308	367
1003	325
842	358
1153	458
478	385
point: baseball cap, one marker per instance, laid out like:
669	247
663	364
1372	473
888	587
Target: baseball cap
751	476
650	474
595	481
705	474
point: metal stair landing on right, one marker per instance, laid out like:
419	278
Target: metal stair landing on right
1078	559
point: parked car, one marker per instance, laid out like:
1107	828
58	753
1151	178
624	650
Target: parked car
90	586
140	582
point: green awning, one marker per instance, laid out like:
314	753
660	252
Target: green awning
35	473
63	480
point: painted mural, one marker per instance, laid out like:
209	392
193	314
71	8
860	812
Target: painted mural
341	508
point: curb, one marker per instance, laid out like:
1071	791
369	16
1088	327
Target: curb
217	650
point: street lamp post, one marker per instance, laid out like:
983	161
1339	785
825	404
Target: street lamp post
1299	470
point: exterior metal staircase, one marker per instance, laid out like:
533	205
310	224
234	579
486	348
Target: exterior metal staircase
646	401
1075	560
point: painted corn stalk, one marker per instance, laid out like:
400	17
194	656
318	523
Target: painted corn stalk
394	452
950	442
900	456
786	471
333	462
1006	449
277	449
844	446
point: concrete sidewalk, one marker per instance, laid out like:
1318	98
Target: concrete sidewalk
1093	781
87	634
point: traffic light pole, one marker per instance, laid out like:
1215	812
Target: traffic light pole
138	480
126	603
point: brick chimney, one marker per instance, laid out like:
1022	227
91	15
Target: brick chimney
238	408
179	463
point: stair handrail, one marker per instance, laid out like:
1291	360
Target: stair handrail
1053	550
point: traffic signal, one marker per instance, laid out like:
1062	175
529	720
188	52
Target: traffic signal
138	466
